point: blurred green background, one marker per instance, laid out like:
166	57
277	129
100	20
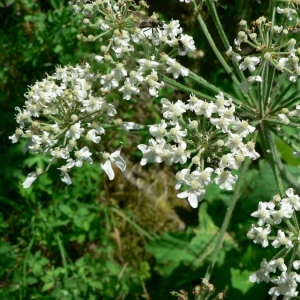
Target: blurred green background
126	239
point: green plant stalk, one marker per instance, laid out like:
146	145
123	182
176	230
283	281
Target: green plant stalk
61	249
187	89
249	98
275	92
212	9
262	89
268	87
285	174
285	102
235	197
24	267
273	156
140	230
215	49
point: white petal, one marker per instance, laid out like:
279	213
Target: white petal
108	169
31	177
120	163
66	179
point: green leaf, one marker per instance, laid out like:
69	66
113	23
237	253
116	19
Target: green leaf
47	286
31	280
37	270
81	238
240	280
66	209
82	211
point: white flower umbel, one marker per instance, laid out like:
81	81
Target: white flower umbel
127	36
64	120
211	153
283	230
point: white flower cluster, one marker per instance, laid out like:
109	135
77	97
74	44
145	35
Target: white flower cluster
271	45
212	144
133	45
281	215
60	115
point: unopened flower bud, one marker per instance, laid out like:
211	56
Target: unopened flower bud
90	38
220	143
35	124
74	118
196	160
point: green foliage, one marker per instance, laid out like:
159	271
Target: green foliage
83	242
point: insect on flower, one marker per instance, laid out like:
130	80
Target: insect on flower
147	23
144	21
181	45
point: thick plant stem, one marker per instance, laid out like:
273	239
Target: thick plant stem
236	195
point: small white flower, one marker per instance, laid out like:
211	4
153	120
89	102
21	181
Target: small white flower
91	136
263	273
146	65
81	155
234	56
188	45
262	235
176	68
181	177
281	240
153	152
292	199
75	131
278	263
285	211
64	175
173	111
31	177
288	12
115	158
158	131
225	179
172	29
263	213
249	150
128	89
287	285
249	63
176	133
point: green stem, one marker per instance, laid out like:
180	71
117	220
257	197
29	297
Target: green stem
24	269
61	249
212	9
235	197
215	49
136	226
274	159
187	89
